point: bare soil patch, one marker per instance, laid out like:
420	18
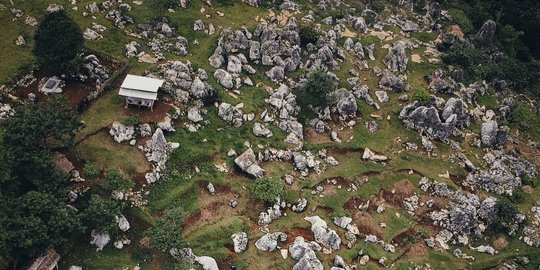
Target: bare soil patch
212	207
500	243
417	250
402	189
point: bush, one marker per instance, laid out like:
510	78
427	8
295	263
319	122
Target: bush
506	210
308	34
421	95
58	41
114	180
166	232
531	181
91	170
376	5
266	189
317	89
131	120
523	116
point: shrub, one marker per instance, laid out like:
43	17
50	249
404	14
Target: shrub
317	89
166	232
114	180
376	5
308	34
131	120
91	170
266	189
421	95
523	116
506	210
531	181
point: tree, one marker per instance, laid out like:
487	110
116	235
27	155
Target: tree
58	41
114	180
166	232
266	189
317	89
37	221
100	214
28	138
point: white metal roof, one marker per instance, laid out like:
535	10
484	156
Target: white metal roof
137	94
140	83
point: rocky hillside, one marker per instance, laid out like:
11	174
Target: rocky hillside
287	135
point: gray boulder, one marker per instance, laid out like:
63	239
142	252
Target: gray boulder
396	59
231	114
426	120
434	10
492	135
99	239
391	82
382	96
456	106
234	65
359	24
269	241
247	162
276	73
261	130
345	102
224	78
240	241
486	34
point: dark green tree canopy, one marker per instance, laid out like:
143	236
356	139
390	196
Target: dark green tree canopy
37	221
58	41
317	89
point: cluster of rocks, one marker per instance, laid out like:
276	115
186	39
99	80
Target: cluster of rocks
232	114
101	239
304	253
273	212
183	82
94	32
95	69
328	238
503	175
283	101
268	45
119	15
435	124
531	232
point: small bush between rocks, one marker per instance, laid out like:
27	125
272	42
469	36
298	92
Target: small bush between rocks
421	95
308	34
266	189
91	170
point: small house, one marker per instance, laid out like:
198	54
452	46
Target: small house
140	91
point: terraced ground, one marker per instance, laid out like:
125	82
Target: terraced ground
209	221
